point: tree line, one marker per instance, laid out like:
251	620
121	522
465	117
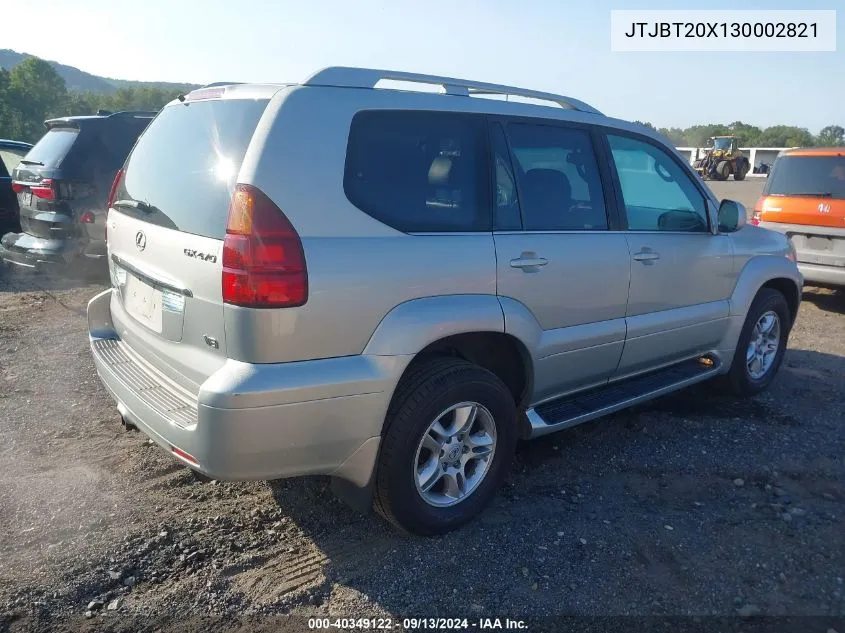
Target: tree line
33	91
751	135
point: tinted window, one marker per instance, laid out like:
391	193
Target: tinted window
808	175
11	157
116	140
418	171
659	195
506	201
558	177
186	162
53	146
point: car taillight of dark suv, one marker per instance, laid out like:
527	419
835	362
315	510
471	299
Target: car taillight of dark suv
62	186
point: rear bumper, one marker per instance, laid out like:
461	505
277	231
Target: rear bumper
822	275
824	267
29	251
251	421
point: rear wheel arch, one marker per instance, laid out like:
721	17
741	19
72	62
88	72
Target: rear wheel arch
501	354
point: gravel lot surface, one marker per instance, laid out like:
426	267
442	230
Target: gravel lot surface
695	504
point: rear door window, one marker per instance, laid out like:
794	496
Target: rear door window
52	148
559	183
419	171
822	176
185	164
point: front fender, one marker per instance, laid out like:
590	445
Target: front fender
756	273
411	326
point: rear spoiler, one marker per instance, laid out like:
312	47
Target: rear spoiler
73	121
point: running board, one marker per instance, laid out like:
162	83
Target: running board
568	411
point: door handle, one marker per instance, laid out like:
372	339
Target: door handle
646	256
528	262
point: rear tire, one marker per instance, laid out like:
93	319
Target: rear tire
723	170
419	446
747	377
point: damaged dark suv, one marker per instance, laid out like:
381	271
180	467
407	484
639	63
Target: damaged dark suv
63	184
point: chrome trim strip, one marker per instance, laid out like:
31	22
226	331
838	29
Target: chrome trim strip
153	281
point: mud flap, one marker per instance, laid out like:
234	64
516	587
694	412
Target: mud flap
358	498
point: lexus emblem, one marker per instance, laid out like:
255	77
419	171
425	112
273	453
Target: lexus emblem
824	207
140	240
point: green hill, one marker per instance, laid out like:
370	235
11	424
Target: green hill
81	81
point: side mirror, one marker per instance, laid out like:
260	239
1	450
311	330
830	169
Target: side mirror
732	216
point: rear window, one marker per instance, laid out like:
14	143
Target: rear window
53	146
808	175
185	164
418	171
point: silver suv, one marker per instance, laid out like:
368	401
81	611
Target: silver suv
393	286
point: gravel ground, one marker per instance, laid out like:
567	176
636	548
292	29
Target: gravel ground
695	504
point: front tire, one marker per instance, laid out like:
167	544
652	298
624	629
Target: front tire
450	436
762	344
723	170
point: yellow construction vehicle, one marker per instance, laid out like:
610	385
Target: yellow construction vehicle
722	160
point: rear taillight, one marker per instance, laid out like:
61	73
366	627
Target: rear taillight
113	189
18	187
758	211
44	190
87	218
263	259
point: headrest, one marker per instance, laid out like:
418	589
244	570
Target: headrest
548	181
438	173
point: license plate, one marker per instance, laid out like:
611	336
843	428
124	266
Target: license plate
819	243
143	302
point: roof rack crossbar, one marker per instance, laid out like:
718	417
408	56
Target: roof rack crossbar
349	77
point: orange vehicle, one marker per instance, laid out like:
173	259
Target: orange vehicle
804	198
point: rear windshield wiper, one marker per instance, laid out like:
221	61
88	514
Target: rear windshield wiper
133	204
31	162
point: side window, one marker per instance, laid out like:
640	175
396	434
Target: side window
558	177
506	199
418	171
10	158
658	194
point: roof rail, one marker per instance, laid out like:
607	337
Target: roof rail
141	113
349	77
219	83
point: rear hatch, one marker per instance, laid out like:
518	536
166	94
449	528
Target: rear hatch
45	188
806	193
166	226
805	189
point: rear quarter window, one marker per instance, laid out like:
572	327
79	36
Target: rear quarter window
418	171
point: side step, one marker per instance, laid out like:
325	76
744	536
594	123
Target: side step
568	411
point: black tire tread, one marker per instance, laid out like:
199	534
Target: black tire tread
421	381
734	381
